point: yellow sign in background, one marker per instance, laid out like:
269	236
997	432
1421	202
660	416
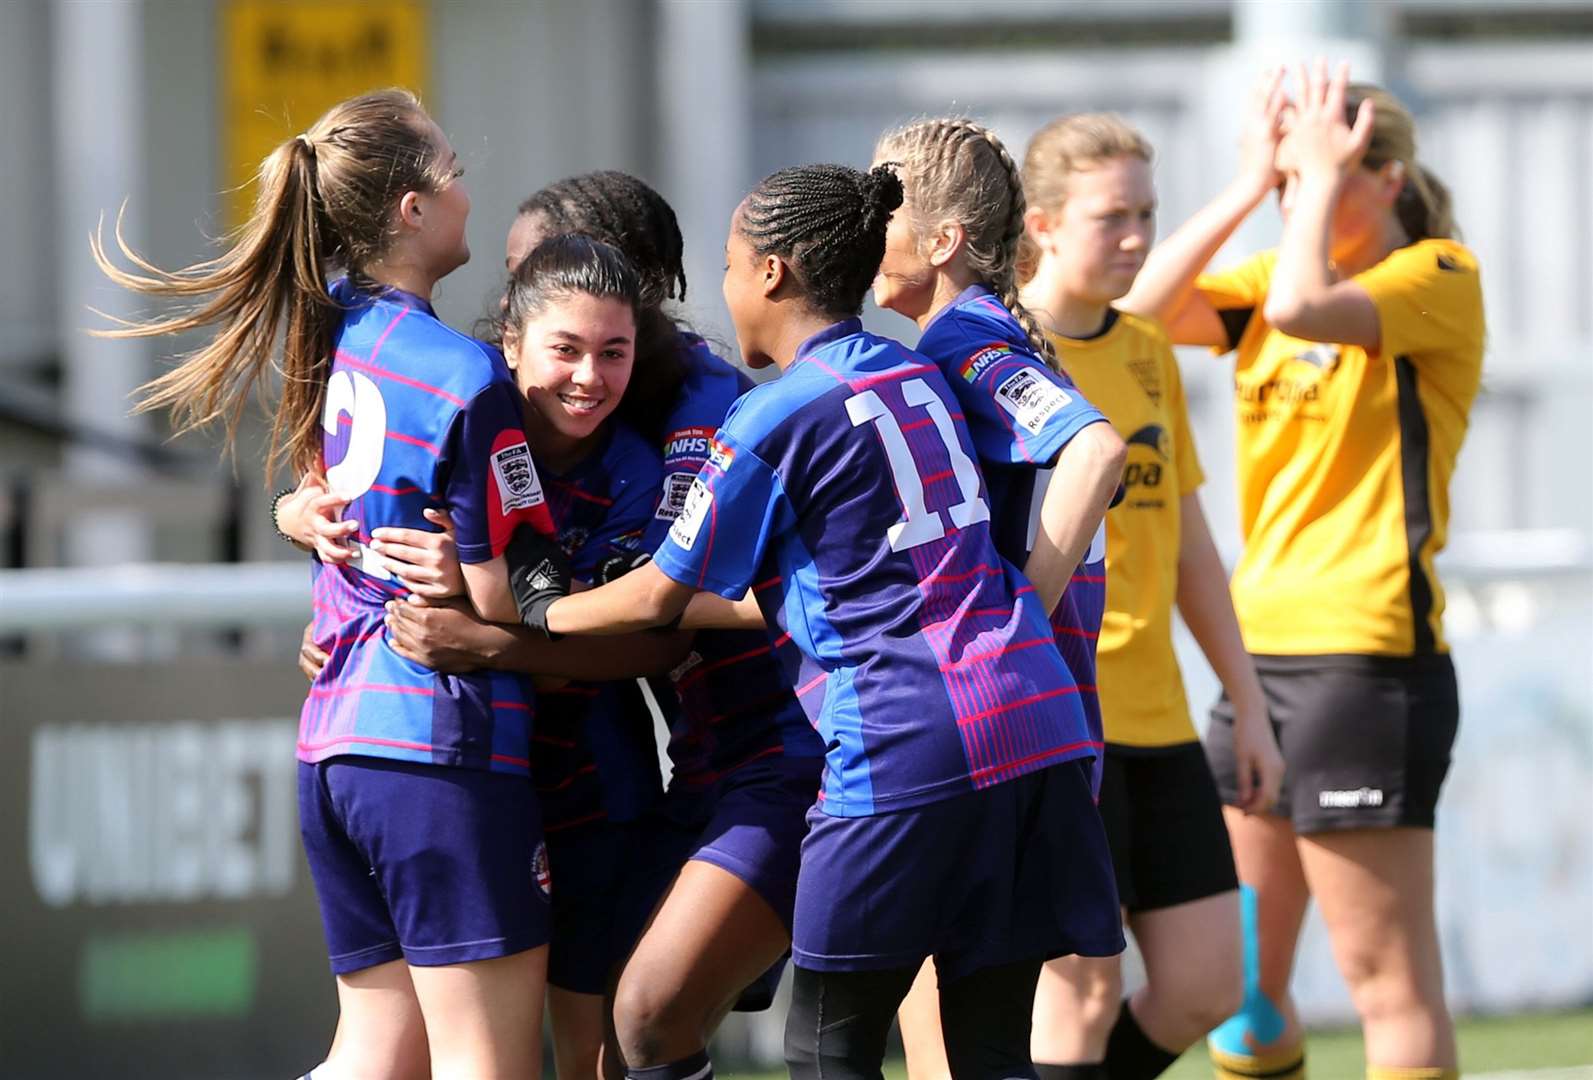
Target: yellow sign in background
285	62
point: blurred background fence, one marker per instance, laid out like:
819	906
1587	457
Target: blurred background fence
148	618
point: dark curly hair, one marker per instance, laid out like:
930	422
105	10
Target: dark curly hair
623	212
828	223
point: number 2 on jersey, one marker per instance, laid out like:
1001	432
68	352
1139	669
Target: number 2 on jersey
919	524
355	394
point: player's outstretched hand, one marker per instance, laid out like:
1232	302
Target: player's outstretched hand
1320	142
445	636
424	562
311	658
1260	764
1263	130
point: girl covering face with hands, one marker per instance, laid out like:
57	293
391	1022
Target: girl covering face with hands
1358	348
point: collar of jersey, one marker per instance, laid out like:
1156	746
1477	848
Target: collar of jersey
391	293
1113	318
972	292
833	332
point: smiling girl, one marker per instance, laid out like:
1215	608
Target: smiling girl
843	500
712	871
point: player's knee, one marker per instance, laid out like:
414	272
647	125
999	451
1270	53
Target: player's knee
646	1014
1195	1001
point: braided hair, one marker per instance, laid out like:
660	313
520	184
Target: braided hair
623	212
959	171
828	223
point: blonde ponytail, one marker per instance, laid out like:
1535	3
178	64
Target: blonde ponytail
1425	207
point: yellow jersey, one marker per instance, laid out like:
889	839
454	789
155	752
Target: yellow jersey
1344	456
1128	372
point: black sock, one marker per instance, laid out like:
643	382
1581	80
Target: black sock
1130	1054
1095	1070
695	1067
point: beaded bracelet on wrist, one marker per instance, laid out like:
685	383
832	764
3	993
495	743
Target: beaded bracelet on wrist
276	514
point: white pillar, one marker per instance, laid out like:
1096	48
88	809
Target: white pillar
704	141
98	83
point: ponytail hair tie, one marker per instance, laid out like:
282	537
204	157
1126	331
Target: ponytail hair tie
308	145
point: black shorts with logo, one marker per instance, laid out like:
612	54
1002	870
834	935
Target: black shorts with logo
1164	826
1366	739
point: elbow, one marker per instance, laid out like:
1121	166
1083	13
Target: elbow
1287	313
1110	454
660	599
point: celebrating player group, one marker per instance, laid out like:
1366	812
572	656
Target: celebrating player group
907	612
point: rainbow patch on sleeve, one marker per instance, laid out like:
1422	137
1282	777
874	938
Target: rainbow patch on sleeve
976	364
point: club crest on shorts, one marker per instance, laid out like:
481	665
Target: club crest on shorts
540	871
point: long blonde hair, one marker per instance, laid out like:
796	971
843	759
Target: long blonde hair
956	170
325	198
1425	207
1067	145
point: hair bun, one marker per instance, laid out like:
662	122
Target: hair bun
881	189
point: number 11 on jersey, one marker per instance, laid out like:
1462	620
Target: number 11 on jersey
919	524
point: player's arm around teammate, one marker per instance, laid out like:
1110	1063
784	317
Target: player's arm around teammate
965	780
723	853
1090	223
406	413
1359	347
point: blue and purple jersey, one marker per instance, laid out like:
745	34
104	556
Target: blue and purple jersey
416	415
855	472
735	702
1021	414
593	756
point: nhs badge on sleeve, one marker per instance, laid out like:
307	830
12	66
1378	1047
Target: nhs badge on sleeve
518	484
699	501
1030	399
